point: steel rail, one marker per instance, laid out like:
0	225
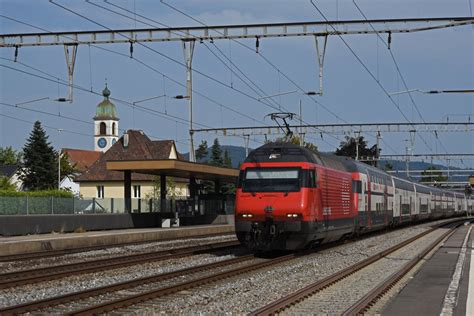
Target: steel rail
298	296
62	299
368	300
60	252
53	272
135	299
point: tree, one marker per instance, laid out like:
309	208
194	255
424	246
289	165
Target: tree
40	170
66	168
202	152
216	154
432	174
171	188
295	139
6	185
9	156
349	147
388	166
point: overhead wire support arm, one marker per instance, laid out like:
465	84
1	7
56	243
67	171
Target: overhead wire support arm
345	129
321	52
219	32
70	61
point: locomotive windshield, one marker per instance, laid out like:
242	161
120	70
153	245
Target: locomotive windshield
271	180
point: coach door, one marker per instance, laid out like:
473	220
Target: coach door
363	201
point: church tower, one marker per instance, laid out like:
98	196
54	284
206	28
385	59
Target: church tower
105	123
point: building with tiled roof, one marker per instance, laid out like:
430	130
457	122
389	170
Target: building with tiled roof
99	182
82	159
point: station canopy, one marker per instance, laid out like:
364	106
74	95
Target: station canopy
135	152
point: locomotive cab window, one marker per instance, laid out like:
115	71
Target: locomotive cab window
308	178
271	180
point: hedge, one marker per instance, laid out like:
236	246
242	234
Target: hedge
45	193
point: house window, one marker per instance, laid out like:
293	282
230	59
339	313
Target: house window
100	191
136	191
102	128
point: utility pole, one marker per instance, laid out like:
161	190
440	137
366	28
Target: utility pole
407	158
301	123
357	145
247	139
377	150
188	49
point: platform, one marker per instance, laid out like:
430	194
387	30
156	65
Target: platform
442	286
44	242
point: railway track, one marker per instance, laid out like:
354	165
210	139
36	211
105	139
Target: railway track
23	277
124	294
62	252
335	294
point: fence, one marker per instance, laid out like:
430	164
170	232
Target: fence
52	205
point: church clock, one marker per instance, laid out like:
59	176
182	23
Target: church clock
102	142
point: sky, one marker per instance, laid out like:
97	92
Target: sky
431	60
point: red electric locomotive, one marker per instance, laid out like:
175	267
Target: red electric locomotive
288	197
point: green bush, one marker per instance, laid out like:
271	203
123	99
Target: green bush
45	193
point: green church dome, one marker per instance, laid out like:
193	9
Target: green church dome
106	110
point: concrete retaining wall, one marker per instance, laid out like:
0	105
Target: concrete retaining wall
13	225
17	225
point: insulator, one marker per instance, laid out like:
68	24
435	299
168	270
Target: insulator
257	45
389	39
16	53
131	49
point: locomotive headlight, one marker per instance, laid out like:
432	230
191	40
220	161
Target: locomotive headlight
293	215
247	215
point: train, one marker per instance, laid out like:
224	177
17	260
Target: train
290	198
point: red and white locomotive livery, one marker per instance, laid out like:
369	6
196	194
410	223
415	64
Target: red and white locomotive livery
289	197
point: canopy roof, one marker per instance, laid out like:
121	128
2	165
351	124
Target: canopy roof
176	168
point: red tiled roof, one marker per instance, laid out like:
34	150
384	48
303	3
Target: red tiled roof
82	158
140	147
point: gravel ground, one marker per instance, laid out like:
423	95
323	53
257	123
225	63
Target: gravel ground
32	292
243	295
339	297
6	267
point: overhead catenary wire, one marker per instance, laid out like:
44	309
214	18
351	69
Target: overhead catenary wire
135	59
163	55
397	68
265	59
47	126
175	32
109	50
88	19
221	52
270	63
364	66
